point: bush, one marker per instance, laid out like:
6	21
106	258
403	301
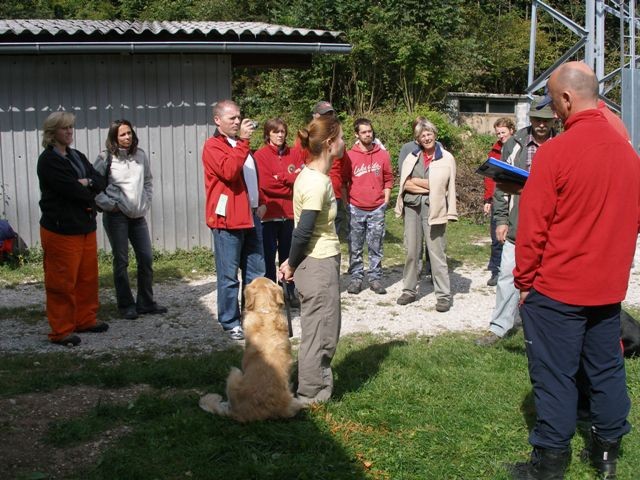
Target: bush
393	128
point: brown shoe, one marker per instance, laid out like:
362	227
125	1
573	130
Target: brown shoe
443	305
355	287
377	287
487	339
406	298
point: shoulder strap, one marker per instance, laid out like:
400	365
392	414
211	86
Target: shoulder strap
107	170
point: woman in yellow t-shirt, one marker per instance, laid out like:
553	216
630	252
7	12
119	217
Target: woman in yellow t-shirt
314	259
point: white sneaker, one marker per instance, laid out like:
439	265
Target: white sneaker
236	333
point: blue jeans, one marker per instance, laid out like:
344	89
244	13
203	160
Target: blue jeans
276	238
121	230
560	339
236	249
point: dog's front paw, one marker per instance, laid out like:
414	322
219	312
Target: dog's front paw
213	403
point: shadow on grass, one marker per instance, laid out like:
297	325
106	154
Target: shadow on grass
392	274
175	439
528	410
359	366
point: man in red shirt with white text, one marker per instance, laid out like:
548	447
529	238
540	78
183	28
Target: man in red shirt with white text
370	183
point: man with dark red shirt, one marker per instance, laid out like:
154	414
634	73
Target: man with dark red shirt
581	204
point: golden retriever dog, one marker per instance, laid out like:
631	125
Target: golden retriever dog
261	389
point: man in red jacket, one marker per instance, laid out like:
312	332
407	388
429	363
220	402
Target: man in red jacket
233	210
370	182
581	204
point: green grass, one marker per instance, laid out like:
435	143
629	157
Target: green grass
462	239
418	408
166	266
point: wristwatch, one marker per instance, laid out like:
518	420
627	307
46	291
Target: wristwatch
90	182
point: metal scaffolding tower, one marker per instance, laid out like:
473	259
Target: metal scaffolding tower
591	37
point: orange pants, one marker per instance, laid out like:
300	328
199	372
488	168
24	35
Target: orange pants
71	281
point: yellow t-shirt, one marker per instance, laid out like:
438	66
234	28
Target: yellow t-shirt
313	191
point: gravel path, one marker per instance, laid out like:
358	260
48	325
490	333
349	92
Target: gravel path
190	323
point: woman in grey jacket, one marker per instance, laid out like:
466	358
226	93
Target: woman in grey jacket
125	202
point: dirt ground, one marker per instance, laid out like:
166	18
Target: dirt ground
25	420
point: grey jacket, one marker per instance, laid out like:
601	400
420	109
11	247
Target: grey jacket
406	149
505	206
130	185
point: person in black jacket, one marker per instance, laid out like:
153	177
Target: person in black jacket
68	186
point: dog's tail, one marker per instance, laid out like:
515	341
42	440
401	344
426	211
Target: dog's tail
213	403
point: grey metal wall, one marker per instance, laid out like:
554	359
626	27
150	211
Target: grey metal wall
168	99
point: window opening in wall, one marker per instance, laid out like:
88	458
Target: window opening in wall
502	106
473	105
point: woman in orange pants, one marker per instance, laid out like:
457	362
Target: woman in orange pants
68	186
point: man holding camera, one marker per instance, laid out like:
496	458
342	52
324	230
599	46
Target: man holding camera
233	210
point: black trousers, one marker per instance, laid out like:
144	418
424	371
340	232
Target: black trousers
558	338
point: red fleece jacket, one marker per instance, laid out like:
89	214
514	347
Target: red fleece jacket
370	174
223	176
276	174
490	184
580	215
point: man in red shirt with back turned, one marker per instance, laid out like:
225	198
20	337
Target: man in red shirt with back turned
580	205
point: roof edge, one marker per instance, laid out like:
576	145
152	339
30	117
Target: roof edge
42	48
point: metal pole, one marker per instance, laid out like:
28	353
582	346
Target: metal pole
589	25
600	52
532	42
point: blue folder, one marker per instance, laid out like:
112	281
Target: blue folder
502	172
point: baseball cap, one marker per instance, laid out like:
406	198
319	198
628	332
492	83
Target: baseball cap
541	107
323	107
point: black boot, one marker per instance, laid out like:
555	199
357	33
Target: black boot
545	464
604	456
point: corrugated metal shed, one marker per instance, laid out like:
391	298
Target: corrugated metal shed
166	93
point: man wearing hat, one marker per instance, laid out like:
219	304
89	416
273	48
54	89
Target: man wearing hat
340	175
519	151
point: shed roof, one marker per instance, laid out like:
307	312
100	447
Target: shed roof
123	27
240	39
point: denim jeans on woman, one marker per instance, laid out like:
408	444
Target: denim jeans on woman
121	230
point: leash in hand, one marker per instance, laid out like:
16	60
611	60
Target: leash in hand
287	307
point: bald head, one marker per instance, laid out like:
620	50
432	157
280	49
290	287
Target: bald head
573	88
578	77
222	105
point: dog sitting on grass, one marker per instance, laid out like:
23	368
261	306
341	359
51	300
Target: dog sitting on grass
261	389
